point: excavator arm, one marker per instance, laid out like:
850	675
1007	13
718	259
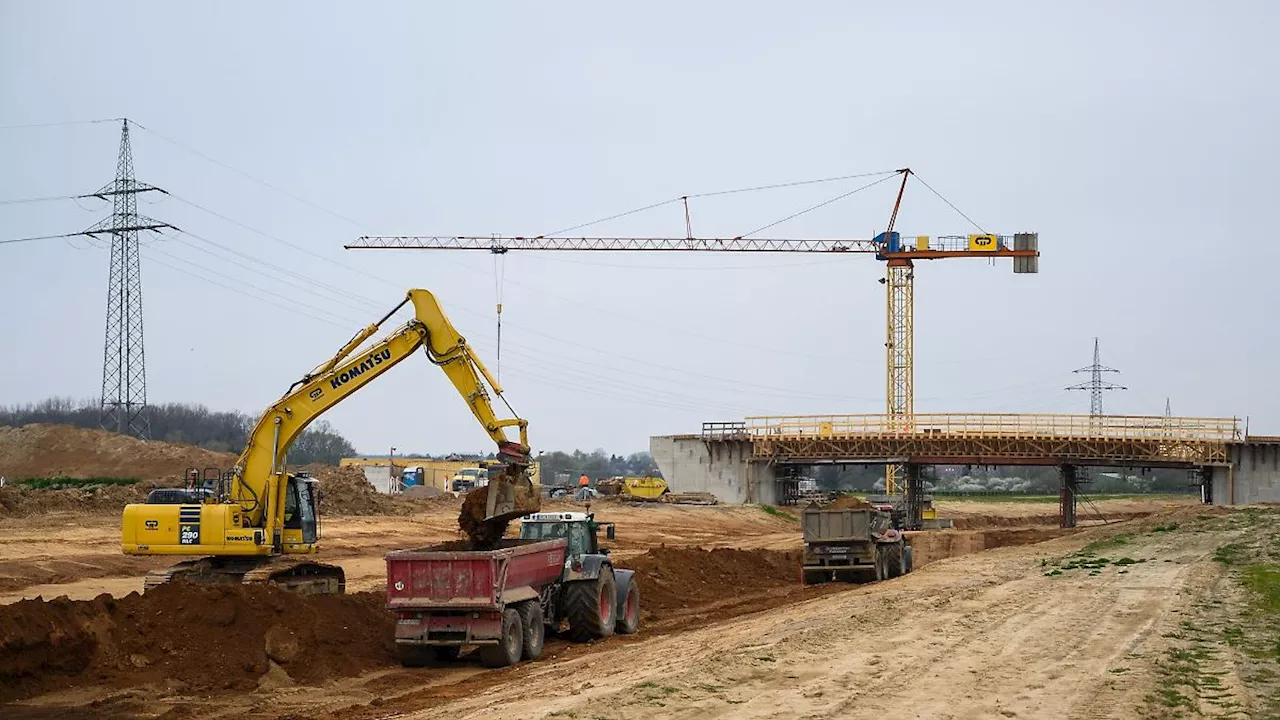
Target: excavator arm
256	498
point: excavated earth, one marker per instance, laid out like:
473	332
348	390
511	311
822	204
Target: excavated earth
180	651
190	639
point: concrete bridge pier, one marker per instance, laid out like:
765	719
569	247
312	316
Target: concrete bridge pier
1067	495
723	468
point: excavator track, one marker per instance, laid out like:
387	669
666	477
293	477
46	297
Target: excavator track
305	577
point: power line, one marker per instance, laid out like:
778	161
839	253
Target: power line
308	285
39	237
61	124
240	284
23	201
235	289
264	183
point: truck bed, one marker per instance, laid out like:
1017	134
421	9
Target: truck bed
451	577
835	526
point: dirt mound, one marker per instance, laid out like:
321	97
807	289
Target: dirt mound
847	502
22	502
45	450
195	637
345	491
676	578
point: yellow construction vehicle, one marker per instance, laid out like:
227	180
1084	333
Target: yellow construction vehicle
644	488
260	523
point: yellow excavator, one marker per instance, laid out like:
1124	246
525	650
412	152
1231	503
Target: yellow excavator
261	523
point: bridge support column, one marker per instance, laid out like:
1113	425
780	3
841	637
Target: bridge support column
915	497
1067	496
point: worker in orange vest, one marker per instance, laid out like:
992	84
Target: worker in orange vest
584	480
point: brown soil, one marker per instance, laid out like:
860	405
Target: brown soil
194	638
23	502
677	578
847	502
44	450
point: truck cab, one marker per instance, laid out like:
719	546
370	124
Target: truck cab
469	478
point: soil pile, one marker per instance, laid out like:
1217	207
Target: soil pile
22	502
194	638
847	502
676	578
44	450
345	491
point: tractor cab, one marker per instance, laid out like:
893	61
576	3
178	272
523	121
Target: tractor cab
579	528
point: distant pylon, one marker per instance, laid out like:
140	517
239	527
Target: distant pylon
124	370
1096	384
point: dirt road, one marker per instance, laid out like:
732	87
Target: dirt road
980	636
970	634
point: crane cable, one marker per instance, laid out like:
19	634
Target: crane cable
499	276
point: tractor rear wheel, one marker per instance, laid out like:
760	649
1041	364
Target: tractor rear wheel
510	645
896	561
591	606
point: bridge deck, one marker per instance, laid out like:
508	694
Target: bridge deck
985	439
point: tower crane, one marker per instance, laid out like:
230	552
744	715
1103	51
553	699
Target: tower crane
898	253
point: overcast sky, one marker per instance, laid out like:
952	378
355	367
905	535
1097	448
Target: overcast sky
1139	139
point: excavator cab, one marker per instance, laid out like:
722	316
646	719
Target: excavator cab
302	508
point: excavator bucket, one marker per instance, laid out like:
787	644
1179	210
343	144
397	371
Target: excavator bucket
487	510
511	496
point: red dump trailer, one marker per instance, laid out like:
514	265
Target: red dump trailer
446	597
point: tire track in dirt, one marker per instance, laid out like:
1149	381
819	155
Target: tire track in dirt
974	637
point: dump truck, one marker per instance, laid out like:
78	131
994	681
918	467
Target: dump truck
852	544
504	600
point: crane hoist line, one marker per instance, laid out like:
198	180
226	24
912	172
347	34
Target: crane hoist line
898	252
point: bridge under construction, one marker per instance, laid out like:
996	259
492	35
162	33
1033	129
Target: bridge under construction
745	461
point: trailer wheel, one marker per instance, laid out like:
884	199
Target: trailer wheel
629	619
510	645
590	606
534	631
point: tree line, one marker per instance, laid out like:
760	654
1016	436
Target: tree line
218	430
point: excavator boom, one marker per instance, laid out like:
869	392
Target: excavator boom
265	512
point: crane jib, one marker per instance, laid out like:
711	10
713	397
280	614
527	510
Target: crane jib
375	358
